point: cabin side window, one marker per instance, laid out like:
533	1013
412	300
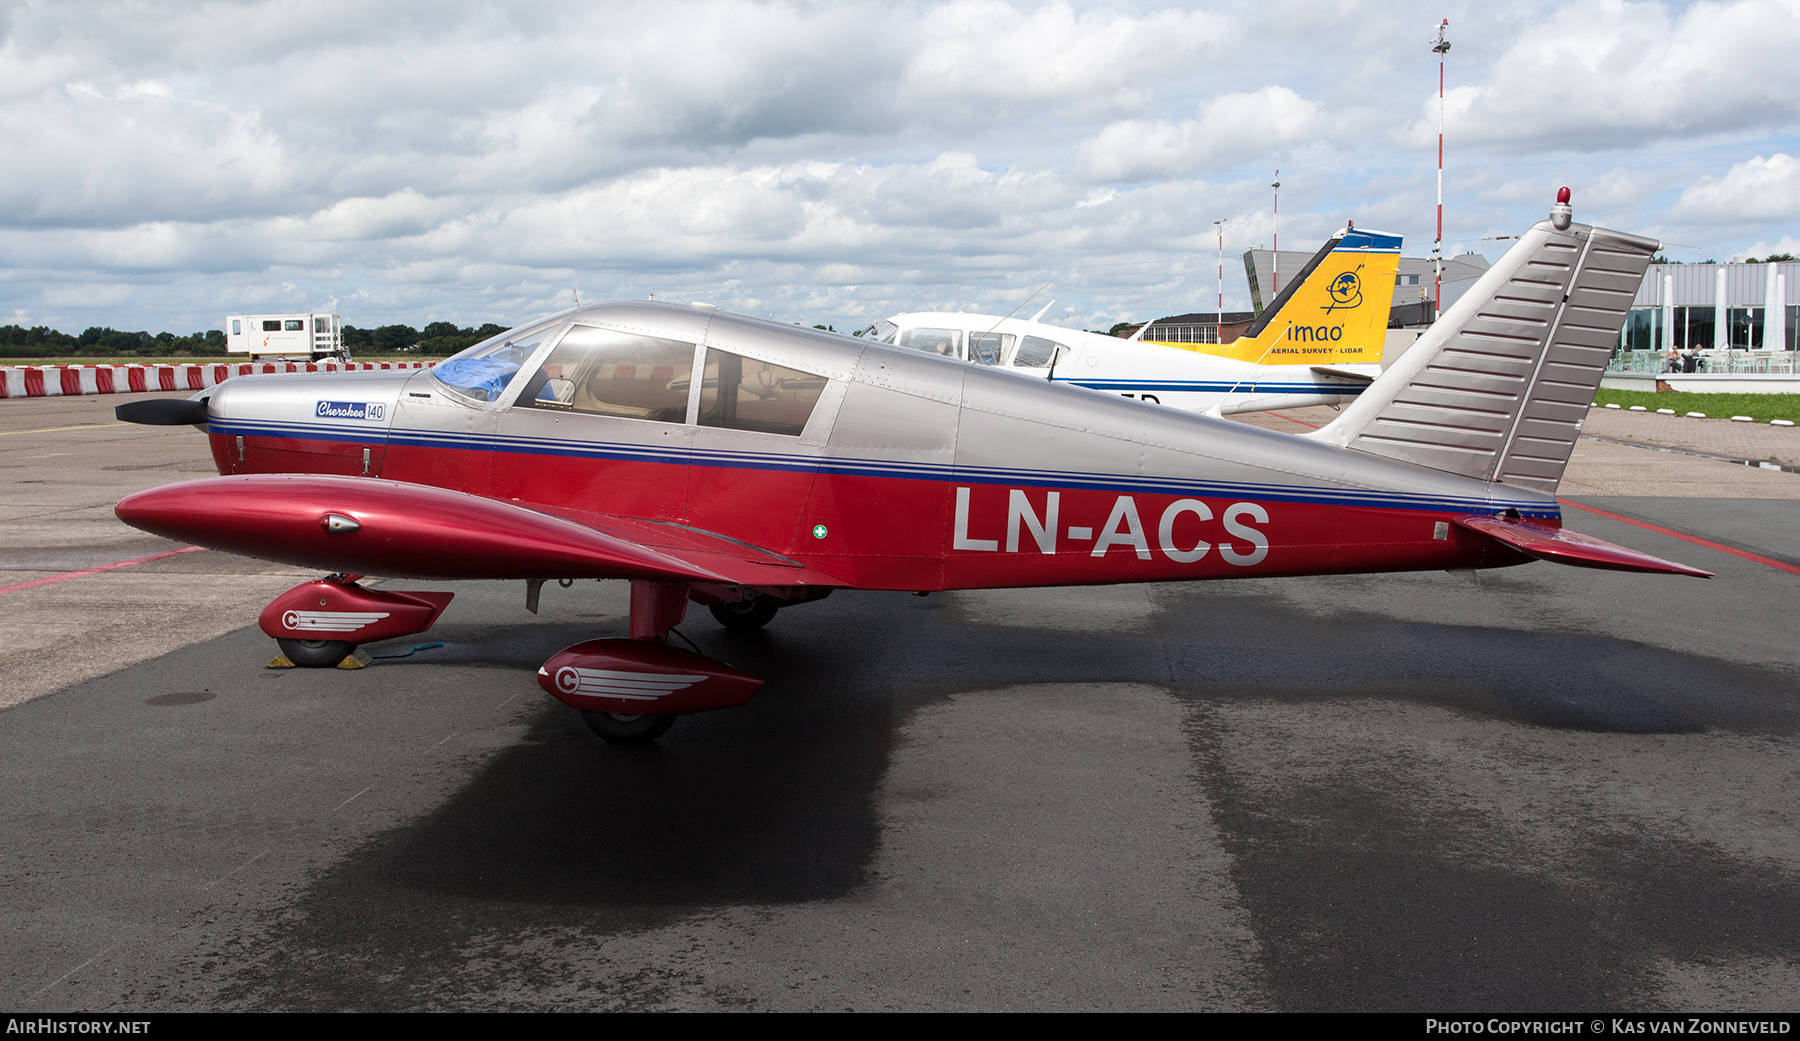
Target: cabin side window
989	348
742	393
605	373
1035	352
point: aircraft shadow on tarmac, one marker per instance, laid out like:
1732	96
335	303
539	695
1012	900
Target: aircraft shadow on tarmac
778	802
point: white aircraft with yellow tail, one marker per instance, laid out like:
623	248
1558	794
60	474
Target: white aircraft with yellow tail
1318	343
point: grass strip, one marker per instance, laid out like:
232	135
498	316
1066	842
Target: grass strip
1760	407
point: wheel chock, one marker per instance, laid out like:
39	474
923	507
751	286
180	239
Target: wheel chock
355	660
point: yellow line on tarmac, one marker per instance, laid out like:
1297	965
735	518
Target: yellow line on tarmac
52	430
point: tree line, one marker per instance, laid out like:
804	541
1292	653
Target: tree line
438	339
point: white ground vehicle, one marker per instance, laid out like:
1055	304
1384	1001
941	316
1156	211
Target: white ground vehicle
292	337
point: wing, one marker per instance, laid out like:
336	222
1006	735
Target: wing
362	525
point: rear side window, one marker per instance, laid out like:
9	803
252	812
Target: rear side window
607	373
745	394
271	325
1035	352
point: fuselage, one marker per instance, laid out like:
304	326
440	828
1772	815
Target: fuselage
1193	380
884	467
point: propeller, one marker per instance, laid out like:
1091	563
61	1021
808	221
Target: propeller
162	412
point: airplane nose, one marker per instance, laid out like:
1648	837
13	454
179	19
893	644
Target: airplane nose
162	412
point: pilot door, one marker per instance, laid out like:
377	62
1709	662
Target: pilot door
601	424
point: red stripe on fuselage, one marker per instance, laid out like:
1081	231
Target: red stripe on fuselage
915	533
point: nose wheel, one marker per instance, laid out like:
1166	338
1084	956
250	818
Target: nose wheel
627	728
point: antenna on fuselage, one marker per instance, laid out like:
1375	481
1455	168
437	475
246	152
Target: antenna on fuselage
1042	309
1022	303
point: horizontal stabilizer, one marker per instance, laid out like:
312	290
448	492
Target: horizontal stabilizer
1343	374
1562	546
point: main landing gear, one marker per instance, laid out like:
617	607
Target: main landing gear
320	623
627	728
752	612
316	654
630	691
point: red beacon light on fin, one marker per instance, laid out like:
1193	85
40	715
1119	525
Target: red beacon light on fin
1561	216
1562	195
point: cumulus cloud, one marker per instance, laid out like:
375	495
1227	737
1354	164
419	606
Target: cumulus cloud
824	160
1756	190
1231	128
1601	74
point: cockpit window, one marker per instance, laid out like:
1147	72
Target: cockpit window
607	373
745	394
484	370
947	342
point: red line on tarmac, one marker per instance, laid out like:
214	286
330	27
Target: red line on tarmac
1302	422
1695	539
84	572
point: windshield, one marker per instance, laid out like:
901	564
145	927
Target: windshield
484	370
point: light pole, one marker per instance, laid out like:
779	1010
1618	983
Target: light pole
1439	47
1275	241
1220	224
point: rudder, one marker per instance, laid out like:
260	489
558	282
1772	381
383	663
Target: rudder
1499	386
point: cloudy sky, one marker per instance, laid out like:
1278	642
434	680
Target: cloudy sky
166	164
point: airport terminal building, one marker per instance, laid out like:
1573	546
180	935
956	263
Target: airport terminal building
1714	307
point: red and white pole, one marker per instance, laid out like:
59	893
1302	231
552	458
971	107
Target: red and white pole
1220	224
1440	47
1275	242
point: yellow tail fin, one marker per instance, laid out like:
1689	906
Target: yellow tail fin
1334	312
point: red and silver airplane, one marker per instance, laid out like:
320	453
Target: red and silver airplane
801	462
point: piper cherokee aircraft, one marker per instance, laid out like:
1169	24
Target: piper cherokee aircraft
1318	343
750	467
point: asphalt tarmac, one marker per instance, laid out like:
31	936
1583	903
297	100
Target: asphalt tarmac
1553	788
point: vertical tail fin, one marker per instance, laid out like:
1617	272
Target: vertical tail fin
1499	386
1333	312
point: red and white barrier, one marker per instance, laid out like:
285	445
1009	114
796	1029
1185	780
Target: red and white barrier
49	381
